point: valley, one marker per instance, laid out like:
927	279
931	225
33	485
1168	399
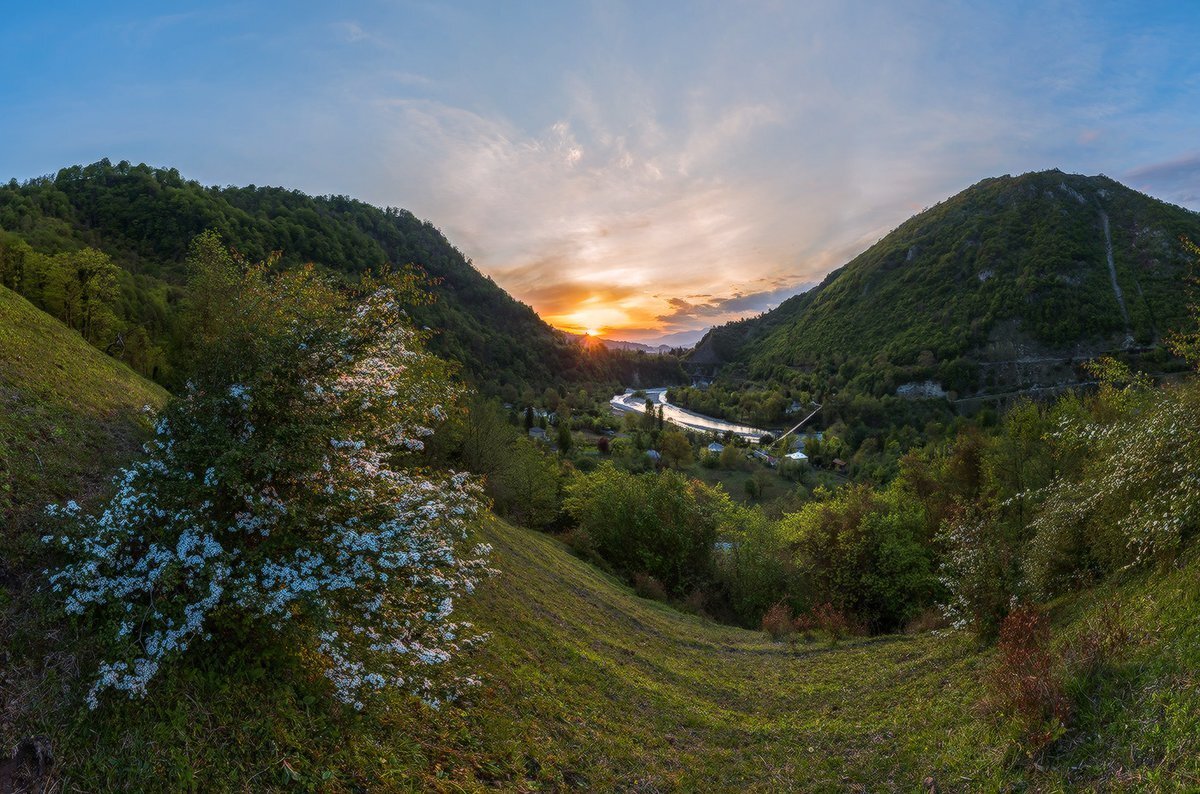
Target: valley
453	397
822	611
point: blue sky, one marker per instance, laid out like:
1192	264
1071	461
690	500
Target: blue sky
651	168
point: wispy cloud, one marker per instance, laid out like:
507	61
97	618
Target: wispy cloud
1177	179
587	226
603	160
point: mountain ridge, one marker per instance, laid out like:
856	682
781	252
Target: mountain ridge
1010	268
145	218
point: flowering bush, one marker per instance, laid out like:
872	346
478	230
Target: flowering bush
282	490
1136	495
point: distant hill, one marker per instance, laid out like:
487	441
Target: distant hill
1007	285
617	344
145	218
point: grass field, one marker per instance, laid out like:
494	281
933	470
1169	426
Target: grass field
588	686
585	685
69	415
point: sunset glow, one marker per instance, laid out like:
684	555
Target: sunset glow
689	181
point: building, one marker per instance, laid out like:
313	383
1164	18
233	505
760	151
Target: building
764	457
653	455
538	434
716	448
800	456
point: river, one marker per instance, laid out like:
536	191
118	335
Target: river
624	403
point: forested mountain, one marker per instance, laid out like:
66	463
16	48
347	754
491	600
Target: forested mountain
143	220
1007	285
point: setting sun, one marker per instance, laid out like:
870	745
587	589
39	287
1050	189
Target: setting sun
592	332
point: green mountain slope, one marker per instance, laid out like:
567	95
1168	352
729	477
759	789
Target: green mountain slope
1011	270
68	413
146	217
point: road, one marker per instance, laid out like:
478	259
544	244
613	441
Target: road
682	417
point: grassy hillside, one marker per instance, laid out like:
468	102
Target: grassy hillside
588	686
1011	268
68	413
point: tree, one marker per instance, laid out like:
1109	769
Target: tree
649	417
731	458
14	254
564	436
675	449
526	488
528	417
659	524
281	494
478	438
97	278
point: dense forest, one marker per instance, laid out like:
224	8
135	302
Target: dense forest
102	248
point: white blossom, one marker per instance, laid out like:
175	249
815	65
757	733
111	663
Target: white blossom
365	555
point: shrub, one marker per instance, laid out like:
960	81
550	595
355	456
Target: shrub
694	603
981	569
1133	498
580	542
777	621
647	586
1102	641
662	524
862	549
931	619
279	495
827	618
754	567
1026	683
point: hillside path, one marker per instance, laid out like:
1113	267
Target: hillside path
1112	274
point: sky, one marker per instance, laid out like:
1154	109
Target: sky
641	169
